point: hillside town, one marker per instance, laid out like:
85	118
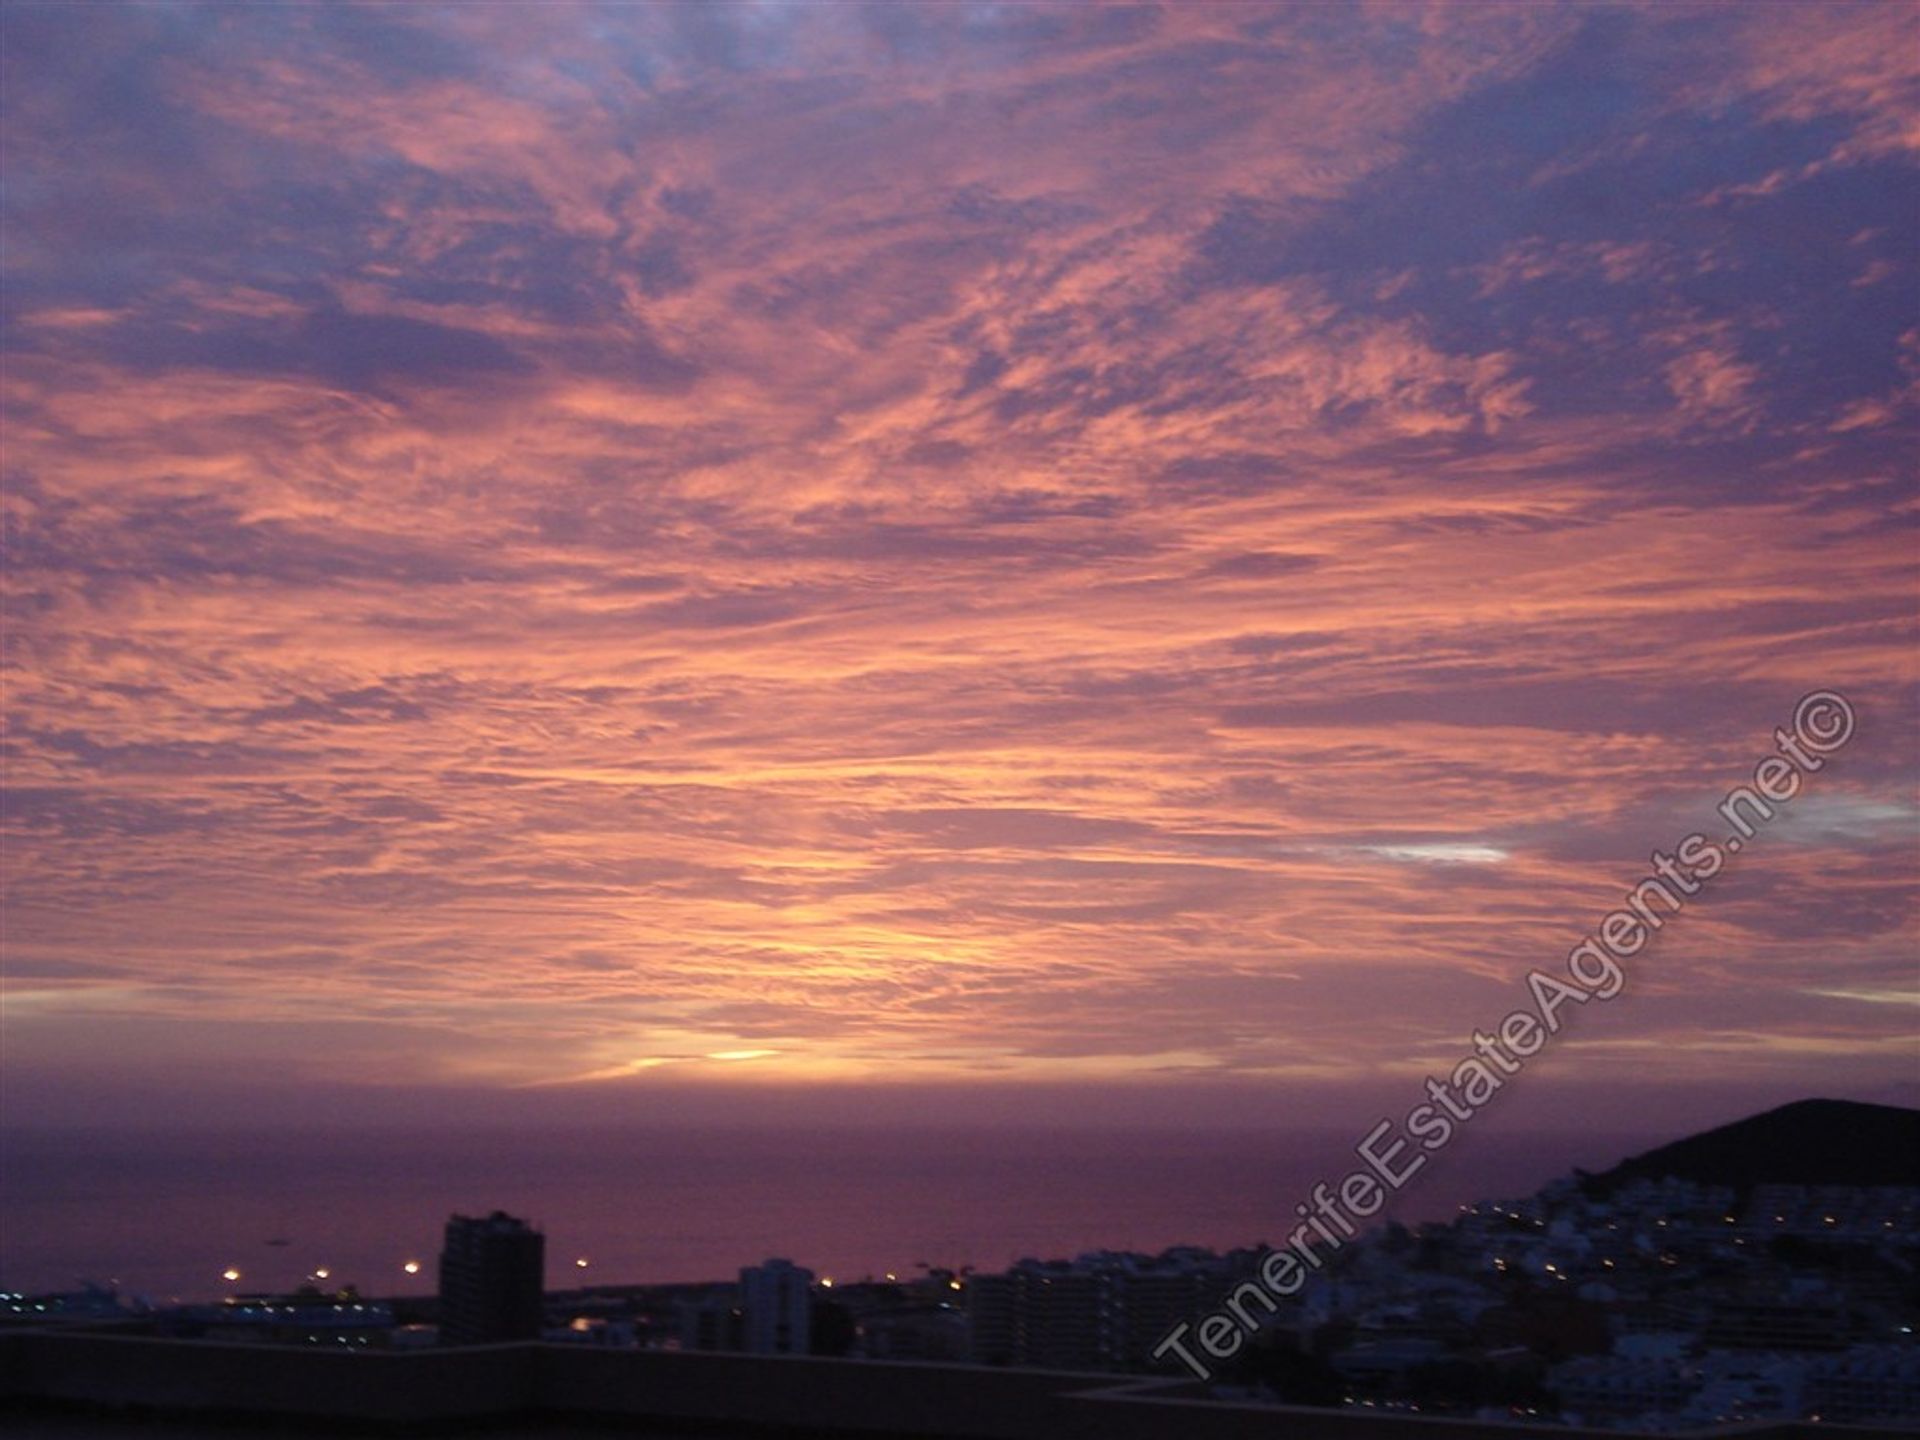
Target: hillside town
1666	1304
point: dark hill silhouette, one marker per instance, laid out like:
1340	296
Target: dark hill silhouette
1810	1142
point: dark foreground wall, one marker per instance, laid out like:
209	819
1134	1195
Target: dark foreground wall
186	1375
645	1391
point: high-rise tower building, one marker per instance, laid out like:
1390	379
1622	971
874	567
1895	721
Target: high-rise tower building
778	1300
492	1275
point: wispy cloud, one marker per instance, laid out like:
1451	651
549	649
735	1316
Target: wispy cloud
964	542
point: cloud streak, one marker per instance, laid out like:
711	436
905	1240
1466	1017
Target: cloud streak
958	543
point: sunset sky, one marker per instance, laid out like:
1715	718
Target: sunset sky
604	558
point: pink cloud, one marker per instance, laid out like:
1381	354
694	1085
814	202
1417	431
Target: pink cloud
547	540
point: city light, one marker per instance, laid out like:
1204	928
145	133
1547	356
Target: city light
412	1267
229	1274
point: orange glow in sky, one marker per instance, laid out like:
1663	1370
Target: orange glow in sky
605	551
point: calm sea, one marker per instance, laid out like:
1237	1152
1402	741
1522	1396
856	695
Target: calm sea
164	1217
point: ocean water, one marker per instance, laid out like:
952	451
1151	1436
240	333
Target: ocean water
164	1216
